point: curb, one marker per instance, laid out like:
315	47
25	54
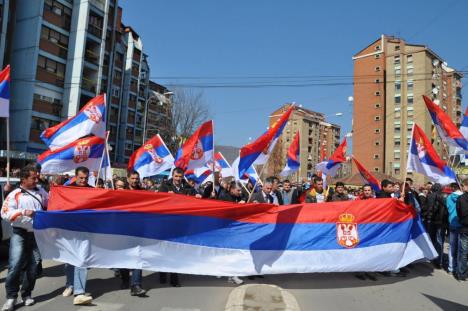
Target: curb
237	300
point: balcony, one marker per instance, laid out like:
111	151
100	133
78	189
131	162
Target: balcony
136	55
43	75
62	21
95	25
47	107
53	48
88	85
35	136
131	104
92	52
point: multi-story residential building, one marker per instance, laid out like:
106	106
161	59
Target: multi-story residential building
158	113
62	54
390	77
314	132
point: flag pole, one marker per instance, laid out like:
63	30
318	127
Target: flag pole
213	192
108	159
102	158
406	168
8	149
259	178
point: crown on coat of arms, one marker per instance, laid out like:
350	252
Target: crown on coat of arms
148	147
83	142
346	217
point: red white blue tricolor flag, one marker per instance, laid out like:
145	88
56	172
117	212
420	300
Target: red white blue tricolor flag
464	124
222	166
330	167
367	176
259	151
447	130
152	158
199	175
5	92
90	120
423	159
198	149
175	233
293	162
86	151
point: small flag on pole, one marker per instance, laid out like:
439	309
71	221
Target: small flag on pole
5	92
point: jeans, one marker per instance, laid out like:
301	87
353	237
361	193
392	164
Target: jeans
22	264
69	275
463	255
79	280
136	276
439	244
453	250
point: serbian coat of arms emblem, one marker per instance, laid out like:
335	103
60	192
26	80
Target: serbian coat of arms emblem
197	152
93	113
150	149
81	152
347	231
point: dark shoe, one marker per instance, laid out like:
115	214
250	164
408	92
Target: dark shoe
137	291
361	276
371	276
162	277
124	284
175	284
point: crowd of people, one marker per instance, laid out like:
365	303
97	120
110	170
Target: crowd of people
443	211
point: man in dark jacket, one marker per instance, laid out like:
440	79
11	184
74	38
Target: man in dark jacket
234	194
462	213
339	194
174	185
438	216
275	192
288	194
387	189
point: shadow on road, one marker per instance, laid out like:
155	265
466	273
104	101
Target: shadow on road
446	304
312	280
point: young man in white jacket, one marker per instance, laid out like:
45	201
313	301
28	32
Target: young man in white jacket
19	209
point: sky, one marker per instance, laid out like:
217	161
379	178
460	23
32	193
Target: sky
249	57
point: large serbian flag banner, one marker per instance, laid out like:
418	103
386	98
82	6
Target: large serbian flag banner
175	233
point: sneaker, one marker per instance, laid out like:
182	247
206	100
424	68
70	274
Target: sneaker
9	305
136	290
236	280
28	301
67	292
82	300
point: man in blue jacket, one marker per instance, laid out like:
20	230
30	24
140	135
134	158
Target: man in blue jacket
454	228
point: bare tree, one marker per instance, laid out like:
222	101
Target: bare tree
189	111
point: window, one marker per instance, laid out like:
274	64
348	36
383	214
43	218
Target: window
397	73
377	118
376	169
410	86
397	171
377	131
397	143
377	80
54	36
377	56
410	71
409	58
51	66
397	47
397	86
377	47
377	143
376	156
57	8
377	68
377	105
397	129
396	60
377	93
115	91
397	114
410	100
397	99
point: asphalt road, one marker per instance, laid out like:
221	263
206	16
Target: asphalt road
423	289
